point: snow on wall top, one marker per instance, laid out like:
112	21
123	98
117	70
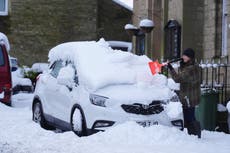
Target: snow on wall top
5	41
98	65
123	4
130	26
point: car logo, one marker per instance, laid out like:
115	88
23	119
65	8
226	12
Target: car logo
145	106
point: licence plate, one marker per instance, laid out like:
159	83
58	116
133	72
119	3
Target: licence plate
147	123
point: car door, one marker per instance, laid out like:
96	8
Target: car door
50	87
61	99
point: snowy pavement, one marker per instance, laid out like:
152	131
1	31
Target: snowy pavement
19	134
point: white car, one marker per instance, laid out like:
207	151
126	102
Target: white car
90	87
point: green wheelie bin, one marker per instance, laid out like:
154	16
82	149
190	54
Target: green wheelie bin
206	111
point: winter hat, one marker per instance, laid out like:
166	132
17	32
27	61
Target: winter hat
189	52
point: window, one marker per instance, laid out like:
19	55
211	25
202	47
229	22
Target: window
3	7
56	68
2	62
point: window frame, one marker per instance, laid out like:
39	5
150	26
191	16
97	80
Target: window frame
5	12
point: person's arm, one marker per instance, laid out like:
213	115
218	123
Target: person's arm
184	76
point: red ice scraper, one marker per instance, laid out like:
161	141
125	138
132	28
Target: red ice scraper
155	66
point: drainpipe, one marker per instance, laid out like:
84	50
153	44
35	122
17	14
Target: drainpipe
224	29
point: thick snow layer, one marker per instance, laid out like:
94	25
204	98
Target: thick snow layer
146	23
40	67
66	76
221	108
17	79
228	107
21	135
173	85
173	109
98	65
130	26
22	100
5	41
125	3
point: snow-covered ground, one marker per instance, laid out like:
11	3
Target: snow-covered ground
19	134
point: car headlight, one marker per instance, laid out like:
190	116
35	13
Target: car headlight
98	100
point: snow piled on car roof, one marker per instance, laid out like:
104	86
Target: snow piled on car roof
98	65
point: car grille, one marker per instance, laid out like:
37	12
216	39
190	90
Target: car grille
154	108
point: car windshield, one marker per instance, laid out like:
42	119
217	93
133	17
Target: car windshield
1	57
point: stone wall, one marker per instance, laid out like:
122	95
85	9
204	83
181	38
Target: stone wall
140	11
33	26
175	10
212	29
193	23
153	10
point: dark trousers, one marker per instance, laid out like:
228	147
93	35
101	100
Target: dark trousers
190	122
189	114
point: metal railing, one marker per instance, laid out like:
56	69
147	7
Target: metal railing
214	75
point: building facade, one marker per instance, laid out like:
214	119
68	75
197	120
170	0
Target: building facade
204	26
200	20
34	27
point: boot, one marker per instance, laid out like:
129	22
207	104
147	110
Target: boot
194	128
197	128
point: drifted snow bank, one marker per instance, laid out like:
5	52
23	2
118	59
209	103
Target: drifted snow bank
21	135
98	65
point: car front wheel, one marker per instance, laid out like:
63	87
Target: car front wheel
38	116
78	123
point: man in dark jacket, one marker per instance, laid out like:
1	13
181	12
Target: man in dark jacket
189	94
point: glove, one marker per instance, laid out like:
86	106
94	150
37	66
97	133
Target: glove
169	66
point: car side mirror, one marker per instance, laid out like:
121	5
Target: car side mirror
66	76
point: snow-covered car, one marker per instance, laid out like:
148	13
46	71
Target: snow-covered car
19	83
90	87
